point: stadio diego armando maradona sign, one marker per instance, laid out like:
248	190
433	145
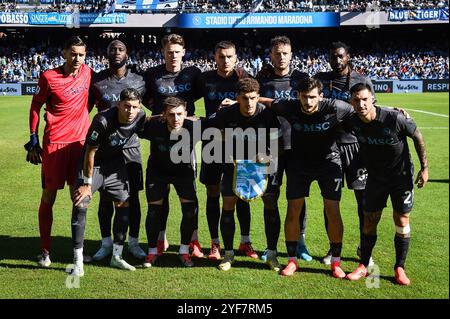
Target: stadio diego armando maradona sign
259	20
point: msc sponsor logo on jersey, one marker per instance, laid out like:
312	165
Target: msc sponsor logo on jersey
336	94
112	97
281	94
314	127
380	141
285	94
75	90
115	140
180	88
222	95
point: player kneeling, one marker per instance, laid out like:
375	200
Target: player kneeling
104	169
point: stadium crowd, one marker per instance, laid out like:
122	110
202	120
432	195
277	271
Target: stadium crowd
26	63
303	5
226	5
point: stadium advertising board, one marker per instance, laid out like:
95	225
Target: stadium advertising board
146	4
29	88
10	89
407	86
259	20
379	86
13	18
54	18
418	14
382	86
435	86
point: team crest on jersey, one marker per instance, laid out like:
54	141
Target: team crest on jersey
94	135
186	77
161	89
250	179
212	95
297	126
115	140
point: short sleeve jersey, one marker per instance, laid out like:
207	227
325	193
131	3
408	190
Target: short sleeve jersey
383	142
160	84
166	148
338	87
280	87
66	99
110	136
313	136
215	88
264	124
106	88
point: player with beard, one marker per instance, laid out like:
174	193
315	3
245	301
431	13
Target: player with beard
336	85
215	86
106	88
280	81
162	81
314	156
65	92
382	134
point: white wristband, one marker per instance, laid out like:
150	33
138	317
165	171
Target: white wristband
87	180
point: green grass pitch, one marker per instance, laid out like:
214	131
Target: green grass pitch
427	264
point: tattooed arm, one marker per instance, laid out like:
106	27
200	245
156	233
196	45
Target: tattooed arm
419	144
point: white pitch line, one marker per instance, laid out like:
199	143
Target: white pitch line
434	128
430	113
420	111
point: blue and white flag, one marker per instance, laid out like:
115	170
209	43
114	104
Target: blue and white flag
110	6
250	179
